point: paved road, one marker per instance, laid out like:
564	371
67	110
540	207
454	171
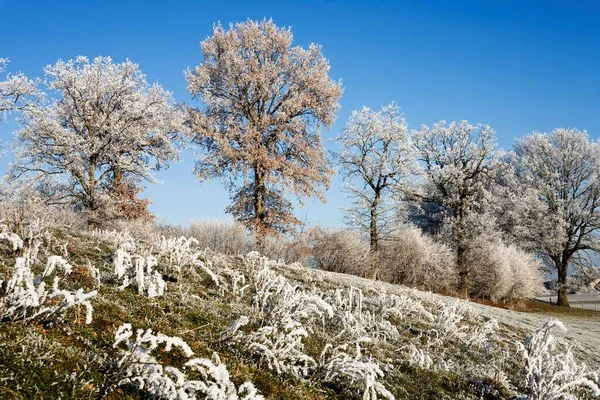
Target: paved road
587	301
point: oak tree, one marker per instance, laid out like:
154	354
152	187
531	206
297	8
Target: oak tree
263	104
103	123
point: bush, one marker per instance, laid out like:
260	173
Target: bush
413	259
340	251
289	248
220	236
501	272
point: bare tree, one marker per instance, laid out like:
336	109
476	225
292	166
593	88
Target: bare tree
376	156
263	104
557	197
104	120
459	163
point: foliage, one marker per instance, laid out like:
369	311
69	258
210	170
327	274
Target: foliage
264	102
104	122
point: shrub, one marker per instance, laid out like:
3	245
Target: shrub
340	251
413	259
551	371
500	272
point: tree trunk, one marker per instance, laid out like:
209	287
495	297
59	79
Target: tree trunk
461	248
260	213
117	177
462	272
91	194
374	238
563	299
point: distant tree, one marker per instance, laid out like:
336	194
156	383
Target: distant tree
17	91
263	104
459	163
103	124
375	157
556	201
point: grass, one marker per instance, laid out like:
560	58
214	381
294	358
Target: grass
68	359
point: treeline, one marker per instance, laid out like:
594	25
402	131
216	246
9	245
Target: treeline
442	207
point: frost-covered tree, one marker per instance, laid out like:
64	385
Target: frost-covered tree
458	164
16	91
375	157
104	123
557	197
264	102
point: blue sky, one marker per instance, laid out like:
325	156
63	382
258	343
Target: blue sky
518	65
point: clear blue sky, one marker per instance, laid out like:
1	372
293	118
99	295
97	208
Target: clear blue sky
517	65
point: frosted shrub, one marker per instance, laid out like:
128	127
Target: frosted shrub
177	253
413	259
224	237
276	300
138	367
340	251
527	277
118	239
15	241
354	319
499	271
27	297
391	305
340	365
139	271
551	371
280	347
237	283
426	358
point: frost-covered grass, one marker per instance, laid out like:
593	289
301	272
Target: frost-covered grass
170	319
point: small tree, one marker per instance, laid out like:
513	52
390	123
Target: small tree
557	201
263	104
105	121
376	153
459	163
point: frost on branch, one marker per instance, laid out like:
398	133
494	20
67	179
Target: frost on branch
12	238
551	371
27	297
138	367
17	92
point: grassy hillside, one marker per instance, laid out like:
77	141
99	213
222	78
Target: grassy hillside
255	327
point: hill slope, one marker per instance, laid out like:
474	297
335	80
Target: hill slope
173	321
